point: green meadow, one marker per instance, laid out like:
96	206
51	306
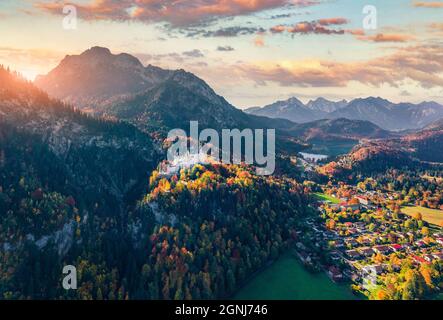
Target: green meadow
287	279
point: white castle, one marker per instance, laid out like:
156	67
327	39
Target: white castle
188	160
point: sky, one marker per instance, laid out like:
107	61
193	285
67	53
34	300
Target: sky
252	52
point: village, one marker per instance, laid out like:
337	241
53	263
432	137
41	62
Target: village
362	239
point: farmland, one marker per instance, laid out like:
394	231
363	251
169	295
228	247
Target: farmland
432	216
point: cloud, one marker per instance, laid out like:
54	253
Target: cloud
225	48
227	32
259	42
332	21
436	27
175	12
386	37
278	29
356	32
194	53
324	27
174	57
281	16
321	26
429	4
423	64
313	27
162	57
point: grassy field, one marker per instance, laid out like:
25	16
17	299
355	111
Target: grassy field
287	279
323	197
433	216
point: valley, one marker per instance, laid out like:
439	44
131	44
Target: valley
83	182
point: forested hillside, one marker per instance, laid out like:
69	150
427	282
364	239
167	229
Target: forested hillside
75	190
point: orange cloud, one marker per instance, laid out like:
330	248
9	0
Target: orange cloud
332	21
259	41
436	26
278	29
423	64
176	12
356	32
386	37
432	4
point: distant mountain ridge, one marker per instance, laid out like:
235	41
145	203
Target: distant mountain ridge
324	105
385	114
292	109
338	136
341	127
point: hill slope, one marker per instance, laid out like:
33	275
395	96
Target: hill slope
422	148
99	156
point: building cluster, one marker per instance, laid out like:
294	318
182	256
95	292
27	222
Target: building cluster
357	240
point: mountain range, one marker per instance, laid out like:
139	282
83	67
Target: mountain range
385	114
155	100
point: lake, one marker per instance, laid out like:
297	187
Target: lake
287	279
314	157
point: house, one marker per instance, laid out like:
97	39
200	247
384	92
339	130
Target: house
376	269
396	247
438	256
399	235
338	244
369	275
351	242
352	231
351	275
335	274
367	252
418	259
353	254
365	241
336	256
381	249
429	257
420	243
363	200
346	205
